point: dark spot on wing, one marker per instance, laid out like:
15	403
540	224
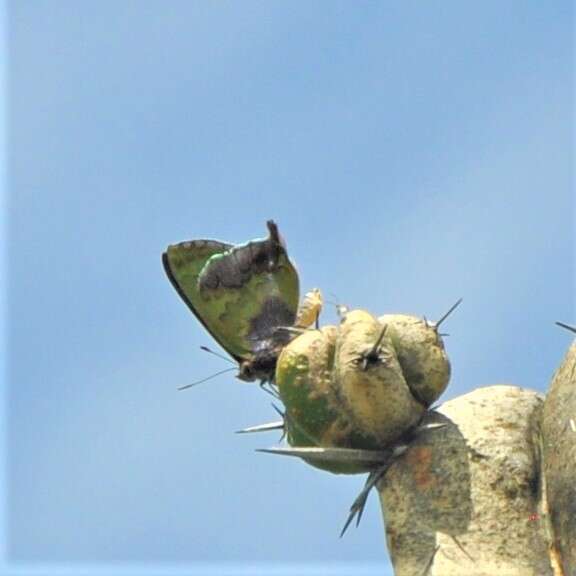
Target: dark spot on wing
264	331
267	340
235	268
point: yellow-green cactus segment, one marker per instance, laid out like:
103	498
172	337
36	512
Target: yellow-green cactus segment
361	385
374	394
421	354
303	377
314	418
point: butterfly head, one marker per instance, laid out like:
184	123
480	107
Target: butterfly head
261	367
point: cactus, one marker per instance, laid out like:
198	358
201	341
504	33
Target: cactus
491	492
361	385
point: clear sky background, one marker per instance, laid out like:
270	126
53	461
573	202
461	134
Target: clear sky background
411	152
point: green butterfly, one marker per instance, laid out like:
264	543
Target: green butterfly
243	295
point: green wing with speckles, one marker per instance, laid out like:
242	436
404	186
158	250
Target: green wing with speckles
241	294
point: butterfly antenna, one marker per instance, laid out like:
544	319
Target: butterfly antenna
335	300
452	308
210	351
205	379
341	309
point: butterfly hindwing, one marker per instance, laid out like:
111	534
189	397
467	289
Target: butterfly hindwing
183	264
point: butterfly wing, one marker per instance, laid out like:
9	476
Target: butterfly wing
241	294
183	263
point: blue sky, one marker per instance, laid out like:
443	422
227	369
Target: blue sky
412	153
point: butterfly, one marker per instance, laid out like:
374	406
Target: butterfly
243	295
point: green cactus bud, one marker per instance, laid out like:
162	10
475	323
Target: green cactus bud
360	385
421	354
304	376
371	386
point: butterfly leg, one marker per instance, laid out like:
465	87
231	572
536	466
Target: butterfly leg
269	388
284	417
